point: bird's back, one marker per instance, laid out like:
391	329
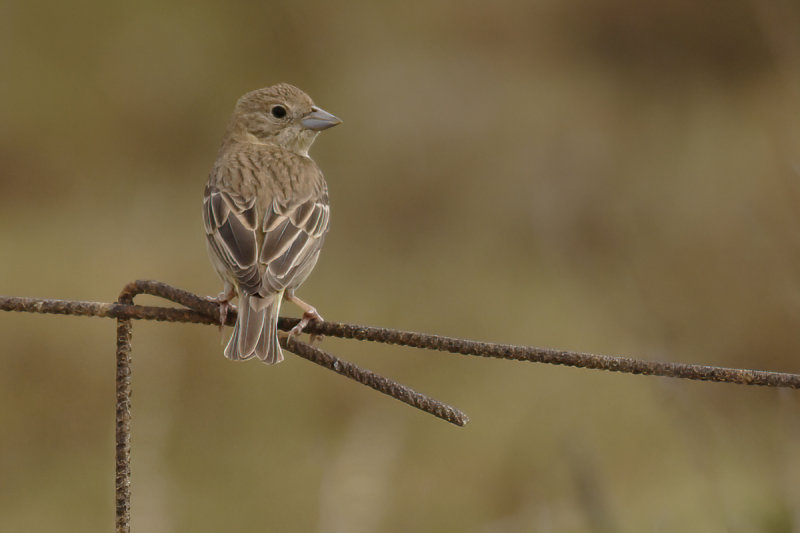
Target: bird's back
267	172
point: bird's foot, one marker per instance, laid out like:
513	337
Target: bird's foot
308	315
223	300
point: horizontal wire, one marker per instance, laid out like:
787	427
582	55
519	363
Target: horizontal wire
204	311
208	313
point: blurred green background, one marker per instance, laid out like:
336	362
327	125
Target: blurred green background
616	177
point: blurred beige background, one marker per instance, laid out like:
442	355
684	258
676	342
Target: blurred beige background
616	177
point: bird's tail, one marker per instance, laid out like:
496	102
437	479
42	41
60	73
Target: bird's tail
256	331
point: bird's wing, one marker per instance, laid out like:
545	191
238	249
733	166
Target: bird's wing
290	238
231	222
293	235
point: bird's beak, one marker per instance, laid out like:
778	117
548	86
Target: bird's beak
319	120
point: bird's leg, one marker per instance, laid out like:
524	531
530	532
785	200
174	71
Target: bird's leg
223	299
309	314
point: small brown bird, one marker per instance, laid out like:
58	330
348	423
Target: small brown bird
265	210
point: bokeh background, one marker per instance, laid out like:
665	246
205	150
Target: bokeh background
617	177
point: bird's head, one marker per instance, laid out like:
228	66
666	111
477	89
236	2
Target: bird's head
282	115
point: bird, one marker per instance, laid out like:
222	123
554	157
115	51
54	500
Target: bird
266	214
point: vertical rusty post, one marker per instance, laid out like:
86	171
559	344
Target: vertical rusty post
123	421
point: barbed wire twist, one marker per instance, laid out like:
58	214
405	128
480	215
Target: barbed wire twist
201	310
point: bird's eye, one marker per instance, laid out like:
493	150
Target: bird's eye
278	111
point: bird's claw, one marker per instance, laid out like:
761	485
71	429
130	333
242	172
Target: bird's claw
223	301
308	316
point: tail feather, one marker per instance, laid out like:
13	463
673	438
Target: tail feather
251	324
268	349
256	331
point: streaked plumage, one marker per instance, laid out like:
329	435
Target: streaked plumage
266	213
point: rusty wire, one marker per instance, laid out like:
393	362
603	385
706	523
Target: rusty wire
203	311
122	431
375	381
612	363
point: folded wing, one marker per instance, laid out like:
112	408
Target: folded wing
269	257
